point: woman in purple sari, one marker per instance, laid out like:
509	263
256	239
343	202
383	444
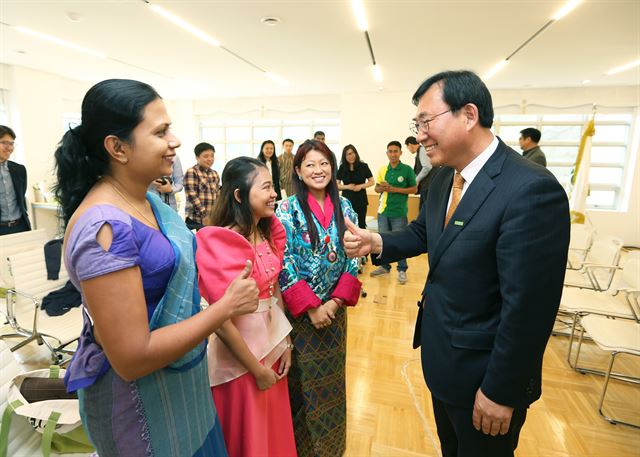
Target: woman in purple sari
140	369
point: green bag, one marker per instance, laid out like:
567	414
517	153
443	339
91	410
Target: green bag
57	420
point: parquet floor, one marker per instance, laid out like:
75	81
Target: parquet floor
385	419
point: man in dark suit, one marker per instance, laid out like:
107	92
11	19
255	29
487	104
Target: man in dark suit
496	228
529	139
14	216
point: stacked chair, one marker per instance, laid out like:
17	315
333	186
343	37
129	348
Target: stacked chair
611	319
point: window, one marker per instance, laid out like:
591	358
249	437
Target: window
4	115
561	134
243	138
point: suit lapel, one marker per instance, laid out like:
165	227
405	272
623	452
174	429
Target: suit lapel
471	202
18	185
438	206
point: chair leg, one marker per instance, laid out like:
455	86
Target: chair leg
575	362
572	337
604	392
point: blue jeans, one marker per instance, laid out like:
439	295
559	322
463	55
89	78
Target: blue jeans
391	224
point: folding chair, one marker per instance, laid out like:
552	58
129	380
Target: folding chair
579	244
601	262
581	302
616	337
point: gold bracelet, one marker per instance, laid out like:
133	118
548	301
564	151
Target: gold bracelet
290	346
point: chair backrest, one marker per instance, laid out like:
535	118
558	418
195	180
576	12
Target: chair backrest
631	270
605	250
30	274
581	237
9	368
16	243
631	279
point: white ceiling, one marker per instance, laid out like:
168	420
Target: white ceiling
317	46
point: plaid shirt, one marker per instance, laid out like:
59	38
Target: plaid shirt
201	186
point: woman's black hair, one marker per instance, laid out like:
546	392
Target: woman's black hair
343	159
111	107
302	191
275	168
227	211
344	165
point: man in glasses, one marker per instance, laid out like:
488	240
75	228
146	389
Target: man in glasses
496	227
14	216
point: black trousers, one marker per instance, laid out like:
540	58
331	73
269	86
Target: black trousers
361	211
20	227
458	437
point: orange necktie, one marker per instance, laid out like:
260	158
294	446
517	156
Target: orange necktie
458	183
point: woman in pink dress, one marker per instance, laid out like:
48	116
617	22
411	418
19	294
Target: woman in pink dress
250	355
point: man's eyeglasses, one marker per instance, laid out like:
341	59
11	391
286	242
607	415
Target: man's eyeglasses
422	125
8	143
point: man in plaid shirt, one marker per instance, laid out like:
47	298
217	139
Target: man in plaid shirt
201	186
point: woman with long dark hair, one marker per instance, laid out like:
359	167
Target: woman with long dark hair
354	176
249	355
140	369
317	280
268	157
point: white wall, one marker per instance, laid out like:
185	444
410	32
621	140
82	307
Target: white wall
368	120
36	102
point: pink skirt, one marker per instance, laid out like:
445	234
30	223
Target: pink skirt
255	423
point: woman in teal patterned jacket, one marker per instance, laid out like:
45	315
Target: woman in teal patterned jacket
317	281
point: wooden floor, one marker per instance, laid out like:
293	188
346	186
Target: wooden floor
389	407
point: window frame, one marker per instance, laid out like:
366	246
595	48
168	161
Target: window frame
255	141
582	120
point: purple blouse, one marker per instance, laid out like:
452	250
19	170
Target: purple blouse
134	244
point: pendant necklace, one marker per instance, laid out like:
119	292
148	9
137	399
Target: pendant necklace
121	194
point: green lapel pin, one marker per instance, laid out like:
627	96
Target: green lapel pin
460	223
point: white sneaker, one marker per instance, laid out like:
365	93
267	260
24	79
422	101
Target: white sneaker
379	272
402	277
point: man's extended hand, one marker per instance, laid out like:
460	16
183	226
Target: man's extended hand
357	242
490	417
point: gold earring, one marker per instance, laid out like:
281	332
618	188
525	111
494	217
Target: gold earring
124	161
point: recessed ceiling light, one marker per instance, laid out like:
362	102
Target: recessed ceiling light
586	81
270	21
73	16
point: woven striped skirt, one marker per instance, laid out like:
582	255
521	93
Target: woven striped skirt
317	386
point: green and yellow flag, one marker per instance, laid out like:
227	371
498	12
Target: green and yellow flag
579	188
